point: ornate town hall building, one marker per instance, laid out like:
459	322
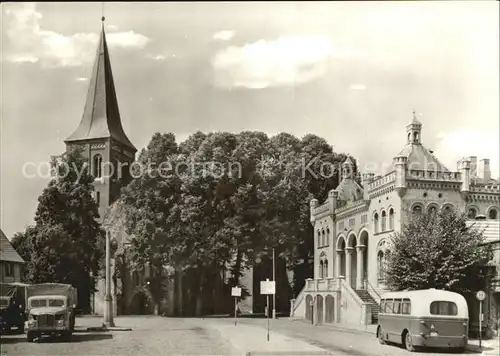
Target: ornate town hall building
353	225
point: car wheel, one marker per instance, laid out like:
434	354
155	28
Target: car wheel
31	336
408	342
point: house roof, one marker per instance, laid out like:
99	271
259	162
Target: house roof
7	252
101	117
420	158
349	190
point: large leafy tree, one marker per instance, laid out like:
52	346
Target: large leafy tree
66	243
437	250
149	202
230	199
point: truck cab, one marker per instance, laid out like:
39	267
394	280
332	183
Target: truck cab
12	311
50	314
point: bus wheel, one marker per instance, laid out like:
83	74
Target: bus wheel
380	336
408	341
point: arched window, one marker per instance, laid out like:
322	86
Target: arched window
471	213
324	238
327	236
447	208
415	137
391	219
384	217
417	209
380	266
321	269
98	197
97	166
409	136
319	238
375	223
432	209
325	268
493	214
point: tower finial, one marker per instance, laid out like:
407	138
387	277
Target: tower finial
102	12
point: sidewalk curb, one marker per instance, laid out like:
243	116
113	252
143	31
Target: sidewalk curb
103	329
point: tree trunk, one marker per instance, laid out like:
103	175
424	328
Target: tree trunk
199	295
156	311
237	269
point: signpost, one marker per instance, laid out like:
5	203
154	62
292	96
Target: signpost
236	292
480	295
267	287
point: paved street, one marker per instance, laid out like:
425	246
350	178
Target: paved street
177	336
337	341
150	336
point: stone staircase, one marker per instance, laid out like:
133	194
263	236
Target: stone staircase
367	298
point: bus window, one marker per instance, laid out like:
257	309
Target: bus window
443	308
406	307
388	306
397	306
382	305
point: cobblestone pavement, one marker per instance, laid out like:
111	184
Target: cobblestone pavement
339	341
150	336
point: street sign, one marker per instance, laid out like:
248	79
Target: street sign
480	295
236	292
267	287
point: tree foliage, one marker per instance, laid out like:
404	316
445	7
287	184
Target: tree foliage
437	250
221	202
65	245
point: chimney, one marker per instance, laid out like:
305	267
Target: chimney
483	169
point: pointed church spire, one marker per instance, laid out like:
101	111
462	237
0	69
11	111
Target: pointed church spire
101	117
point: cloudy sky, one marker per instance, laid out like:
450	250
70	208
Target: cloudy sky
350	72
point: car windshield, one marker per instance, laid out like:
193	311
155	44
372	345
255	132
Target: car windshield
56	303
38	303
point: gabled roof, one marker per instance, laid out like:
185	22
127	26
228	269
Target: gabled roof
349	190
420	158
115	221
101	117
7	252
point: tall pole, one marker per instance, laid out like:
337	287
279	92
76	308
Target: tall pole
268	317
108	311
480	321
274	295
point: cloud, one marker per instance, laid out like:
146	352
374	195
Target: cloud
223	35
157	57
111	27
452	146
281	62
357	87
82	79
29	42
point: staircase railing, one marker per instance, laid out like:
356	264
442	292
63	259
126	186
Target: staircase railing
369	287
299	298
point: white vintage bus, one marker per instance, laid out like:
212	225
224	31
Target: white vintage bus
424	318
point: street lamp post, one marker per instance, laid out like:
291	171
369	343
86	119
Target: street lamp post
108	310
274	295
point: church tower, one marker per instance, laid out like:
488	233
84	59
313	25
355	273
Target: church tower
100	133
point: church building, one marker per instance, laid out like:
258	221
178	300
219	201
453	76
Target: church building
352	227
